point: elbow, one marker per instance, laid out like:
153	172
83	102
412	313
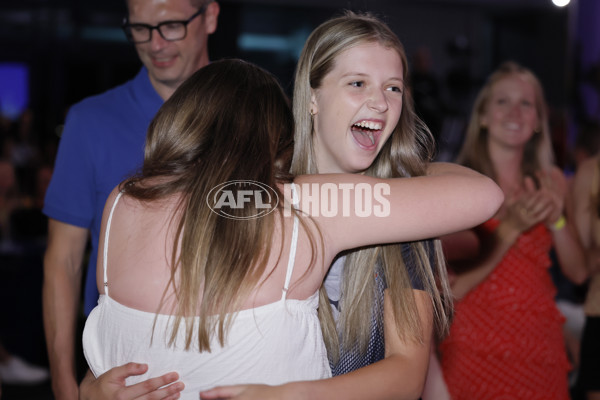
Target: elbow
418	392
411	389
576	273
494	197
580	277
413	373
576	269
414	391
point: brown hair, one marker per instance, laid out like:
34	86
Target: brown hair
229	121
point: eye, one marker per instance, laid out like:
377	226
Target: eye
171	26
396	89
527	103
357	84
137	28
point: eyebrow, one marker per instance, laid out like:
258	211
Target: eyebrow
349	74
508	93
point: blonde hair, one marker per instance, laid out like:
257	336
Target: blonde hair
405	154
229	121
538	151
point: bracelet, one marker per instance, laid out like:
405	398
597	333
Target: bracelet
559	224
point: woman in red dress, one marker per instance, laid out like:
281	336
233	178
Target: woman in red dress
506	339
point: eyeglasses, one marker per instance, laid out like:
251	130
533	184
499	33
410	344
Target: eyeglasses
168	30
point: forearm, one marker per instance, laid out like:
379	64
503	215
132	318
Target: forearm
61	289
400	375
60	295
394	377
570	253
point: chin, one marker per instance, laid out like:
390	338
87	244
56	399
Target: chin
168	79
359	168
164	75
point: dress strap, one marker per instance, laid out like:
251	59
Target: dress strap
105	250
293	245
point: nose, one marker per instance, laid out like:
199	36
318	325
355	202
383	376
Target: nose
515	110
377	101
156	41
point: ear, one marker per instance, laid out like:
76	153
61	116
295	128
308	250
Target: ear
211	16
314	108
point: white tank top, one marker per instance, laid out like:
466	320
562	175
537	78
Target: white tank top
272	344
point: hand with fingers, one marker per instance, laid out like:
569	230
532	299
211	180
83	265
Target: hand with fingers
111	385
528	208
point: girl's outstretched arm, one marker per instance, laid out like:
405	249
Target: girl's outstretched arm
449	198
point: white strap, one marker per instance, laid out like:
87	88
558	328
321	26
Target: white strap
105	250
293	245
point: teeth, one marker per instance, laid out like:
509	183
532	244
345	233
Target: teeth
369	125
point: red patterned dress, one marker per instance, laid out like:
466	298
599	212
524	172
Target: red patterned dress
506	339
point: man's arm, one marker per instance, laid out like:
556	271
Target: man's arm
63	268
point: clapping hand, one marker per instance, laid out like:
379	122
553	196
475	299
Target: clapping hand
528	207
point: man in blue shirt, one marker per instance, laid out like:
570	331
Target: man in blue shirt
102	143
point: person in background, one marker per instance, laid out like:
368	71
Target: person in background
102	143
586	195
9	196
506	339
587	143
13	368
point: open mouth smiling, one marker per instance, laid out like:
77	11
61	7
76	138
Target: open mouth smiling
367	133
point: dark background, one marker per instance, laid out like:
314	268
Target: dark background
75	48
